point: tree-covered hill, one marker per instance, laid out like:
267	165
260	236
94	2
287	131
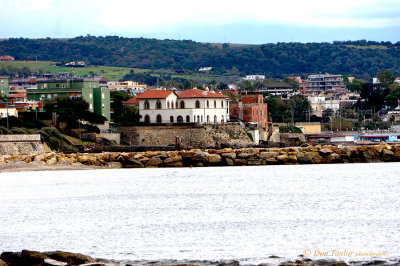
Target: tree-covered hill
274	60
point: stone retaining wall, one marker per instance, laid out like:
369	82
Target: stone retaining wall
20	144
222	157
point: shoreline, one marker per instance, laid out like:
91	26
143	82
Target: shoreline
318	154
59	258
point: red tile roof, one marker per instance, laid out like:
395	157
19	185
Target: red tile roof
132	101
196	93
154	94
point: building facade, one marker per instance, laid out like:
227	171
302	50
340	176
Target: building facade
3	86
190	106
323	82
320	104
88	89
251	109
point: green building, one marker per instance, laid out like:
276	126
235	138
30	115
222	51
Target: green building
87	88
3	86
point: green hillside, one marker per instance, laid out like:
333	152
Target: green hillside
274	60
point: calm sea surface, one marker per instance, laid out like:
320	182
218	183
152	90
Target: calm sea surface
241	213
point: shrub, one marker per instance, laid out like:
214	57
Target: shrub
289	129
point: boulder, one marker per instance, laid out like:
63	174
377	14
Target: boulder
87	159
387	155
39	158
282	158
268	154
305	157
271	161
255	161
230	155
154	162
225	150
12	258
70	258
230	162
213	158
174	161
200	157
32	257
369	154
292	158
240	162
244	155
131	163
51	161
144	160
318	159
325	152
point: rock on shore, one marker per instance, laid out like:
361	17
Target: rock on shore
210	157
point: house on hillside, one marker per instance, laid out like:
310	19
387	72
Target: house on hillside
251	109
6	58
189	106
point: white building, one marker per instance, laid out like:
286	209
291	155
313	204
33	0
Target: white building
254	77
319	104
158	106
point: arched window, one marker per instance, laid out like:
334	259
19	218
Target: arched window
176	104
197	104
158	104
222	119
147	119
171	119
215	119
201	119
208	104
187	119
215	104
179	119
168	105
222	104
208	119
146	105
182	105
198	119
158	119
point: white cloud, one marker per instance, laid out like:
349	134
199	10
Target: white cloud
144	16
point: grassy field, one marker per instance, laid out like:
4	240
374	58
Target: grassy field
383	47
112	73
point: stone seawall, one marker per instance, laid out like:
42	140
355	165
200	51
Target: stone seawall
20	144
189	137
212	157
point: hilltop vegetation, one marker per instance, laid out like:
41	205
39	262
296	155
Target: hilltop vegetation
274	60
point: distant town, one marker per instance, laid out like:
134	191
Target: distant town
319	108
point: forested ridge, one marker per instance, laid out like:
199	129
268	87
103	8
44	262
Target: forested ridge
274	60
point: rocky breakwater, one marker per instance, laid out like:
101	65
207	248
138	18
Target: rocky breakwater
211	157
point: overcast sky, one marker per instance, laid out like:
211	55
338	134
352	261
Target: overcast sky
246	21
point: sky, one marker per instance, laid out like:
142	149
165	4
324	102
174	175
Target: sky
217	21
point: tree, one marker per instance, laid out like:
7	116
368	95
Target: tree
327	114
385	77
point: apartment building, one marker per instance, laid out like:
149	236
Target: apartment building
323	82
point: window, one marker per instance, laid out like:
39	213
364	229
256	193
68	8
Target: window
158	119
198	118
187	119
168	105
176	104
171	119
245	112
146	105
208	119
215	119
182	105
90	95
48	96
158	104
91	106
179	119
215	104
63	86
57	85
103	106
208	104
147	119
201	119
197	104
222	119
103	96
222	104
44	86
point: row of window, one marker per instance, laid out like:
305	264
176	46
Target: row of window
179	119
172	105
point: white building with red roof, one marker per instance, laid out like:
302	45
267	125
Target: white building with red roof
189	106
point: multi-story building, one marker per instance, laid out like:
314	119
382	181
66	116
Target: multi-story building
27	83
194	105
277	88
3	86
254	77
251	108
323	82
131	87
86	88
18	93
320	104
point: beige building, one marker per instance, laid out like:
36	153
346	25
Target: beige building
129	86
320	104
12	111
310	127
